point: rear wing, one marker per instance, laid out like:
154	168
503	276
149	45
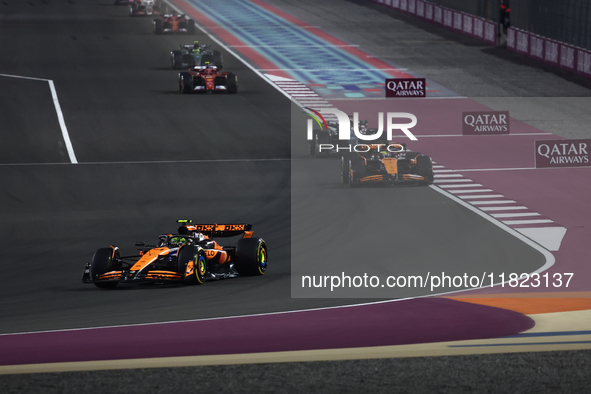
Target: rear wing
215	230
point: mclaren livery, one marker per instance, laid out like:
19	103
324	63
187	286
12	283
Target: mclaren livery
207	79
195	54
191	256
386	164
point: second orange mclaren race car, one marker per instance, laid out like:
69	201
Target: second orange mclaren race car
386	164
191	256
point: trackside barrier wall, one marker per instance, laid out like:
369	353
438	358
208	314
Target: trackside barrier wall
552	52
458	21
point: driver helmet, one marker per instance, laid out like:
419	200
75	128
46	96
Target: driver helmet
177	241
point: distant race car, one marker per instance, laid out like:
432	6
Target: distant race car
190	257
173	23
143	7
326	142
195	54
385	164
207	79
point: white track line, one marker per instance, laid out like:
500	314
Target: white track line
58	110
471	196
455	191
493	202
62	122
452	180
453	186
514	214
532	221
503	208
437	176
149	162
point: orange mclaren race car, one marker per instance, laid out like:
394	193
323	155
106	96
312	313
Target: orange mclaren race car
386	164
191	256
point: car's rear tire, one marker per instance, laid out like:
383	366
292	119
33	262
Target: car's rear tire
356	171
175	59
103	262
251	256
320	138
231	83
132	9
425	169
312	144
345	169
185	83
158	26
192	263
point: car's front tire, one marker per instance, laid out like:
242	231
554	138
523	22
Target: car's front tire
103	261
425	169
192	263
185	83
251	256
231	83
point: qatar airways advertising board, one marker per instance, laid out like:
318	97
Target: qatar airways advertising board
485	122
406	87
562	153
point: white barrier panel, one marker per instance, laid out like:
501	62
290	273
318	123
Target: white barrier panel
448	18
511	41
412	6
536	47
467	28
567	57
522	42
584	62
404	5
478	29
490	32
429	12
458	21
420	8
438	14
396	4
551	52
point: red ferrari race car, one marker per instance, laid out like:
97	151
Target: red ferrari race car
174	23
207	79
189	257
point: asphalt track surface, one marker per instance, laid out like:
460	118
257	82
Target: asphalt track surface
147	156
137	141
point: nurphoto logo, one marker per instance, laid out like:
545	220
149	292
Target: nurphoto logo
344	124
